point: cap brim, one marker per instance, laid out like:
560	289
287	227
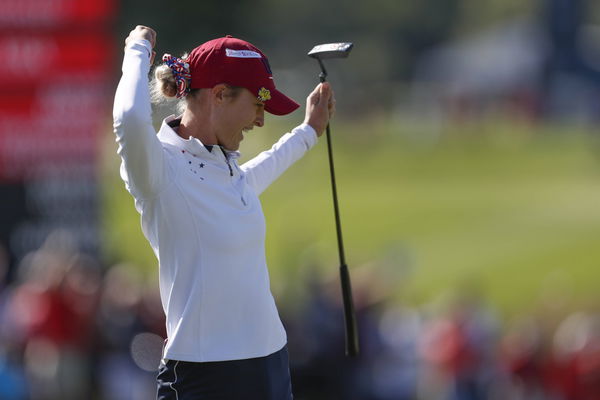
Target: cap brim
280	104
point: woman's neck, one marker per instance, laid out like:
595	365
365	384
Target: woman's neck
197	123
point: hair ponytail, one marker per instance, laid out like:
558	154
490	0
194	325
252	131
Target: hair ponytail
164	83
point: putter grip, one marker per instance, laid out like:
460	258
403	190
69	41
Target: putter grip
349	316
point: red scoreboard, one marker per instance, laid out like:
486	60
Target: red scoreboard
55	94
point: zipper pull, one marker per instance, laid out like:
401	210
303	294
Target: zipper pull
227	161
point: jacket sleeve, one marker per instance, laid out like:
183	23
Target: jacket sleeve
263	169
140	150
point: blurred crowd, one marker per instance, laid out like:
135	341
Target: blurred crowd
71	328
455	348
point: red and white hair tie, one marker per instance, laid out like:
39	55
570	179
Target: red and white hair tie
181	72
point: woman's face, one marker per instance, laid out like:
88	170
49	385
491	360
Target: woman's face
240	114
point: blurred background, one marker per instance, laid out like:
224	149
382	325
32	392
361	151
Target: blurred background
467	156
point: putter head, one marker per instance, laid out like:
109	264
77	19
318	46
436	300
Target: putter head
331	50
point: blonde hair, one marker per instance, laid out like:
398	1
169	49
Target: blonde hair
163	84
163	87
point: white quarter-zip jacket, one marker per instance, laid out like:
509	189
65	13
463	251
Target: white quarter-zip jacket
201	214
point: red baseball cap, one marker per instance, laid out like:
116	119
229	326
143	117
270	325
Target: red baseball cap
237	63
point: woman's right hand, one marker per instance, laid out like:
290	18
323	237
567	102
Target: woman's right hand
143	32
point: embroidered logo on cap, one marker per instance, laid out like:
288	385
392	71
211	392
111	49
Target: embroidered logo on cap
264	94
242	53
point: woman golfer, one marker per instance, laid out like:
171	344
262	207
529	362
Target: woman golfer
201	213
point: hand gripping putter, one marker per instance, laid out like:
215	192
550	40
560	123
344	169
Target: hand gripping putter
320	53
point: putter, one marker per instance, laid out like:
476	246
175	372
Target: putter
320	53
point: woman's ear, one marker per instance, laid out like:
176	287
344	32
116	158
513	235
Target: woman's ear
219	93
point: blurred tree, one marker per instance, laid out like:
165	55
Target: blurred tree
183	24
388	34
475	15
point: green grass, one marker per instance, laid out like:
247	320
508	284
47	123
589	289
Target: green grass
509	206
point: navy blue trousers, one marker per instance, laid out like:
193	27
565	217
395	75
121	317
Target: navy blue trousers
263	378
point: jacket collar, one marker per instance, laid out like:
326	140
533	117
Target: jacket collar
167	134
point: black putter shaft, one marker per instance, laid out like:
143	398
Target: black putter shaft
352	347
